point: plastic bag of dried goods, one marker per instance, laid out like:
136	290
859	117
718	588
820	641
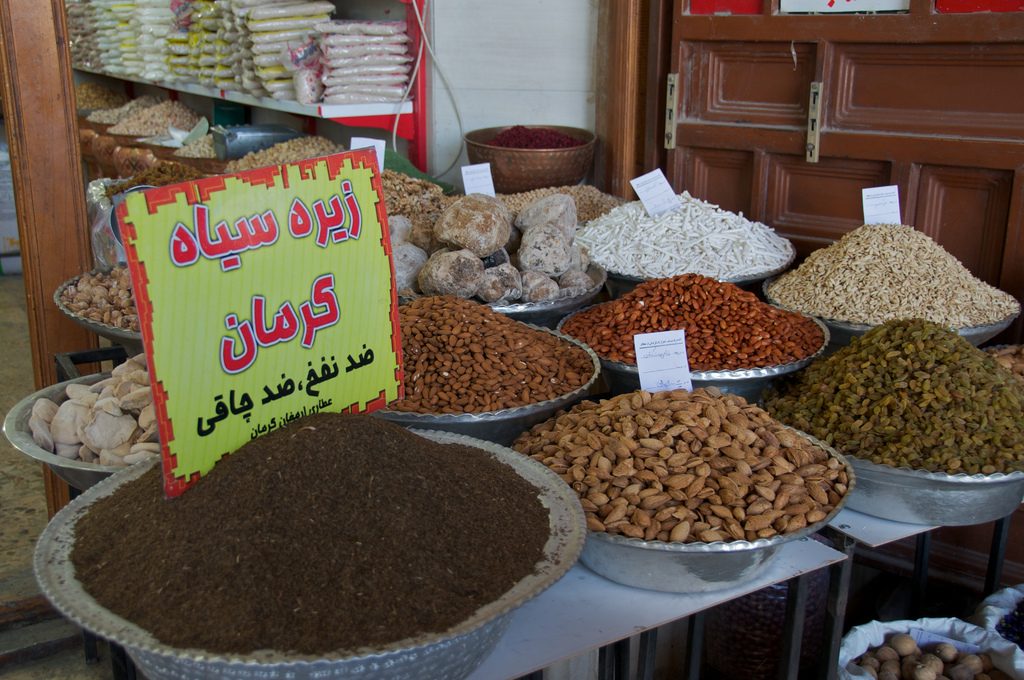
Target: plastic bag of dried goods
350	39
967	637
382	91
301	55
278	36
382	63
363	27
997	605
308	88
288	24
303	9
376	79
357	99
345	51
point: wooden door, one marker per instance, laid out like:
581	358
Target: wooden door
930	99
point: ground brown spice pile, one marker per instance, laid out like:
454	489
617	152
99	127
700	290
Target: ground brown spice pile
335	534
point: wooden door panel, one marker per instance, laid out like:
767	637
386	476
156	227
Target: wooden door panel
815	203
969	90
721	176
965	209
760	84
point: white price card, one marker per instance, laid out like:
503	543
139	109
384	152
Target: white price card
881	205
662	362
377	145
476	179
655	193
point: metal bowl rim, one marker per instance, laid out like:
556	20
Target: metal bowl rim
519	307
116	625
863	328
735	280
719	547
98	327
958	478
508	413
23	441
737	374
590	138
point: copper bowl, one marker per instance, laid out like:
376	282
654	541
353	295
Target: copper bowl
518	170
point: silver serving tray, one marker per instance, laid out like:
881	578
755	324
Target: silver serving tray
695	567
500	427
843	332
444	656
79	474
934	498
748	383
130	340
620	284
549	312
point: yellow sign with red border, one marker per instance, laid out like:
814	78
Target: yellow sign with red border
262	297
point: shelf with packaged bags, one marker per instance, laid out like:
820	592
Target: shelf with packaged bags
407	118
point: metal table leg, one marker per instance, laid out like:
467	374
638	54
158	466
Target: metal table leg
606	663
994	572
648	648
838	597
695	647
920	580
121	664
793	631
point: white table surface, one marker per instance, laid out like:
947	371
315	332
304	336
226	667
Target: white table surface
584	611
874	531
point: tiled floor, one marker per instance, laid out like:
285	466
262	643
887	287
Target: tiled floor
22	499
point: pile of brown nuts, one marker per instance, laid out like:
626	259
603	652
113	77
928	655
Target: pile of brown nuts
462	357
591	202
104	297
900	658
727	328
688	467
297	149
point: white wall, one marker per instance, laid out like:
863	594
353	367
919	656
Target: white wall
523	62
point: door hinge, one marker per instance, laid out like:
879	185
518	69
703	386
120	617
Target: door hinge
671	95
814	123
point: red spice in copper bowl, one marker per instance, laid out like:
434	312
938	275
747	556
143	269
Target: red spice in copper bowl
515	170
522	137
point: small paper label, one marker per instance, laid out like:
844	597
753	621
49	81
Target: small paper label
476	179
377	145
927	638
655	193
662	362
881	205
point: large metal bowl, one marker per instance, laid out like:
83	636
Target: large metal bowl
620	284
79	474
748	383
843	332
550	312
448	655
130	340
695	567
503	426
934	498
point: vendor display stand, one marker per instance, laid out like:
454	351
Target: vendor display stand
850	527
584	611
